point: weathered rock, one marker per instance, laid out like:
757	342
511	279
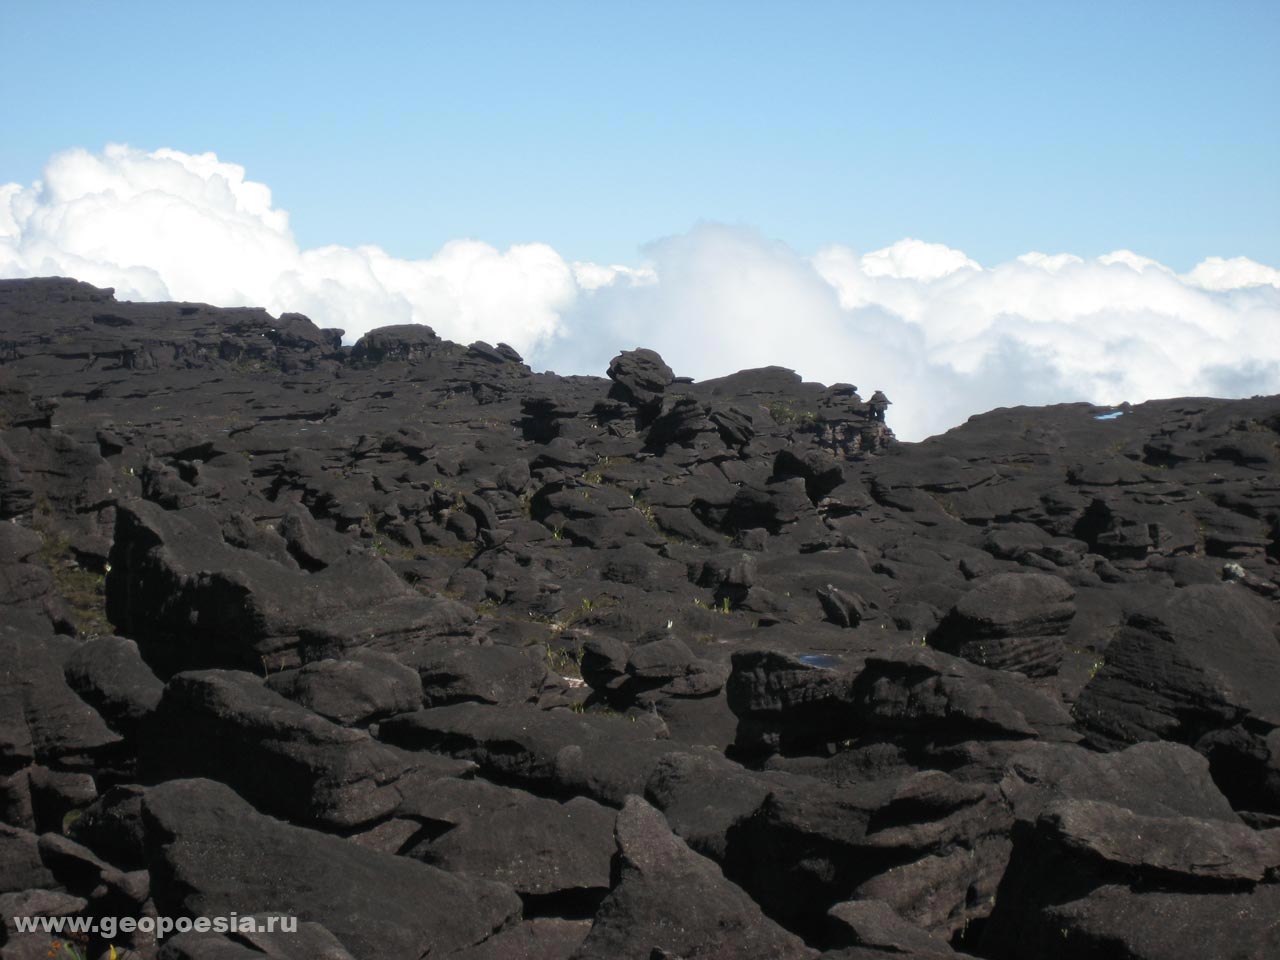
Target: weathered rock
365	686
41	718
1010	621
639	377
21	867
874	925
537	939
108	674
1084	866
406	342
193	601
488	674
670	901
557	752
1188	667
211	854
272	501
931	846
228	726
551	853
305	941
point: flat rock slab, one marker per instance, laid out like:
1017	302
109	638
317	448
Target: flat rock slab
213	855
227	725
554	751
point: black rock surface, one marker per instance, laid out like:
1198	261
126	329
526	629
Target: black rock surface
446	657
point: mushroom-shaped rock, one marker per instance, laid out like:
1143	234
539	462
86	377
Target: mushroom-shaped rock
639	377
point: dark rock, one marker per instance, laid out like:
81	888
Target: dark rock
229	726
366	686
211	854
537	939
108	674
875	925
41	718
406	342
670	899
646	573
842	609
704	796
58	795
1084	865
639	377
491	674
556	752
193	601
111	827
21	867
1190	664
931	846
474	828
308	941
1010	621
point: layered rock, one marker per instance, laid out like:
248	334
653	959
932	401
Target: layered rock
1004	692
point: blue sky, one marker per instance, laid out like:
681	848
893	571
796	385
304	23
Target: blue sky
966	204
594	127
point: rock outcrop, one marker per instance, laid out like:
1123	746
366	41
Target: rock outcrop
442	656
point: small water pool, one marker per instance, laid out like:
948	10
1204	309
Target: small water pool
824	660
1109	416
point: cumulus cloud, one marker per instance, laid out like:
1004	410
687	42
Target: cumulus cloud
168	224
943	335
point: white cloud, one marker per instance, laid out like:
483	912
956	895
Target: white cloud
169	224
593	276
944	336
916	260
1215	273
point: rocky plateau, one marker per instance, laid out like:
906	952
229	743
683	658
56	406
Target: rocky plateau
449	658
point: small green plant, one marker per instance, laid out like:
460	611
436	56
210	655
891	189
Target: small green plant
646	511
567	663
557	533
77	948
724	605
83	589
784	413
1097	665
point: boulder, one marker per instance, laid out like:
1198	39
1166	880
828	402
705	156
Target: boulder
475	828
108	673
366	686
555	752
229	726
211	854
671	902
1010	621
639	378
1186	664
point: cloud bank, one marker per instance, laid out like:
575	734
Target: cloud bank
943	335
